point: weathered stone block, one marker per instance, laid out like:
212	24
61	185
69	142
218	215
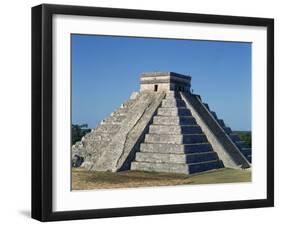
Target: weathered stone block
160	157
173	103
160	167
204	166
174	129
174	120
175	148
183	111
234	137
175	158
227	130
175	139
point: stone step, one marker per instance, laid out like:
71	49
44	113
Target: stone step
115	119
183	111
207	106
241	144
201	157
174	129
173	99
249	158
214	114
107	128
176	148
172	94
174	120
227	130
175	158
160	167
221	122
248	155
234	137
175	139
246	151
205	166
122	111
177	167
128	103
95	137
173	103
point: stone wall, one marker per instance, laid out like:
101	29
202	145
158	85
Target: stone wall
150	87
227	151
112	145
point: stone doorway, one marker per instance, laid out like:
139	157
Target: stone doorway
155	88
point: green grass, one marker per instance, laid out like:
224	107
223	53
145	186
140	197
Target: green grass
224	175
88	180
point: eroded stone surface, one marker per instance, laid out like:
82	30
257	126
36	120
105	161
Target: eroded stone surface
108	146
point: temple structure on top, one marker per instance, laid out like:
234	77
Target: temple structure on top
163	128
164	81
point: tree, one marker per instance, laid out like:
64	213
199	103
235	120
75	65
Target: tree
78	131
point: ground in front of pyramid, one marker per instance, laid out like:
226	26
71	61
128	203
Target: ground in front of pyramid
163	135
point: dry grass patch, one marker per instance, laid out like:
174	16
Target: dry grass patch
84	180
87	180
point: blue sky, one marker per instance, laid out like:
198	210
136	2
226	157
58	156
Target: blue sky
106	70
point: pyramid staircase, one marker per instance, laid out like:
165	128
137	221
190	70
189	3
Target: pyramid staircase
175	143
162	130
243	147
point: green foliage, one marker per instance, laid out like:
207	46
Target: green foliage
78	131
246	137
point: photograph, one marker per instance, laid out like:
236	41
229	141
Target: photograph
150	112
140	112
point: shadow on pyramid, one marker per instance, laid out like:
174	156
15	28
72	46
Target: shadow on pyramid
162	128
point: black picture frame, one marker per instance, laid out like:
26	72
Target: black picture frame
42	111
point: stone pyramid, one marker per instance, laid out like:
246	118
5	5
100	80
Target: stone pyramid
162	128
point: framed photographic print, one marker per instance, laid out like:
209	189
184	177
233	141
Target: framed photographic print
139	112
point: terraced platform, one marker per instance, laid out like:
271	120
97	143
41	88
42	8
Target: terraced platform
174	142
164	128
